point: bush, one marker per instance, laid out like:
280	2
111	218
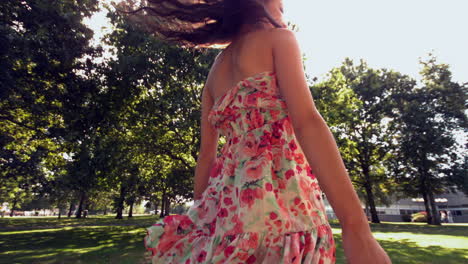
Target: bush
419	217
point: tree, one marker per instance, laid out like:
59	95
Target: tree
428	158
41	43
155	90
355	101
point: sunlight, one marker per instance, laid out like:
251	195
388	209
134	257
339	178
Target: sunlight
387	35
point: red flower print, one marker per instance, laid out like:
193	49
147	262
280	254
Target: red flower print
216	169
186	223
275	140
227	201
254	168
231	168
201	257
292	145
299	158
228	251
278	223
212	227
274	114
277	159
226	190
273	216
302	206
289	173
249	195
309	172
298	168
261	158
223	212
251	259
287	126
250	148
297	200
305	186
251	99
265	142
321	230
254	119
288	154
322	251
249	242
281	184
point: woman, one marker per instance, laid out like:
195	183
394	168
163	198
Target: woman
260	201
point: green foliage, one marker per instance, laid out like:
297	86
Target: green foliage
355	101
427	158
127	130
40	44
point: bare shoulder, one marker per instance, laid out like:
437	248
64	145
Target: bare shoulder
281	35
271	36
281	32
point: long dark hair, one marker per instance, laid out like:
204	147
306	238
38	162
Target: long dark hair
196	23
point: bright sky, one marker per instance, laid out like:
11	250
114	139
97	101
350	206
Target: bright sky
387	34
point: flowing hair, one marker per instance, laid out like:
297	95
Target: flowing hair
196	23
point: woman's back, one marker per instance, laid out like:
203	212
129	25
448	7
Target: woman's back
262	195
245	57
262	203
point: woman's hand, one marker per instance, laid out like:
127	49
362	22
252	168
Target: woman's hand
363	248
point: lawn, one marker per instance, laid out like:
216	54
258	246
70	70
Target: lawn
107	240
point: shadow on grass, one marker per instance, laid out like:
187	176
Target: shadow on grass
114	244
415	228
23	223
120	242
408	252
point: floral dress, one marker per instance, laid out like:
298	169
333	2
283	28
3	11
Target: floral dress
263	203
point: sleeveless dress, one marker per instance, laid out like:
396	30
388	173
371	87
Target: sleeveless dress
263	203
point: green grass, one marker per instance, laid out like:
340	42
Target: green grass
107	240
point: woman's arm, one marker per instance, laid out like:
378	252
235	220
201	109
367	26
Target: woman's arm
208	146
321	151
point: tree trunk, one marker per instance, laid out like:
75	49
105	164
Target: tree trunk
80	205
423	190
70	210
156	205
163	204
120	203
167	204
105	210
370	195
367	209
13	207
435	212
130	211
